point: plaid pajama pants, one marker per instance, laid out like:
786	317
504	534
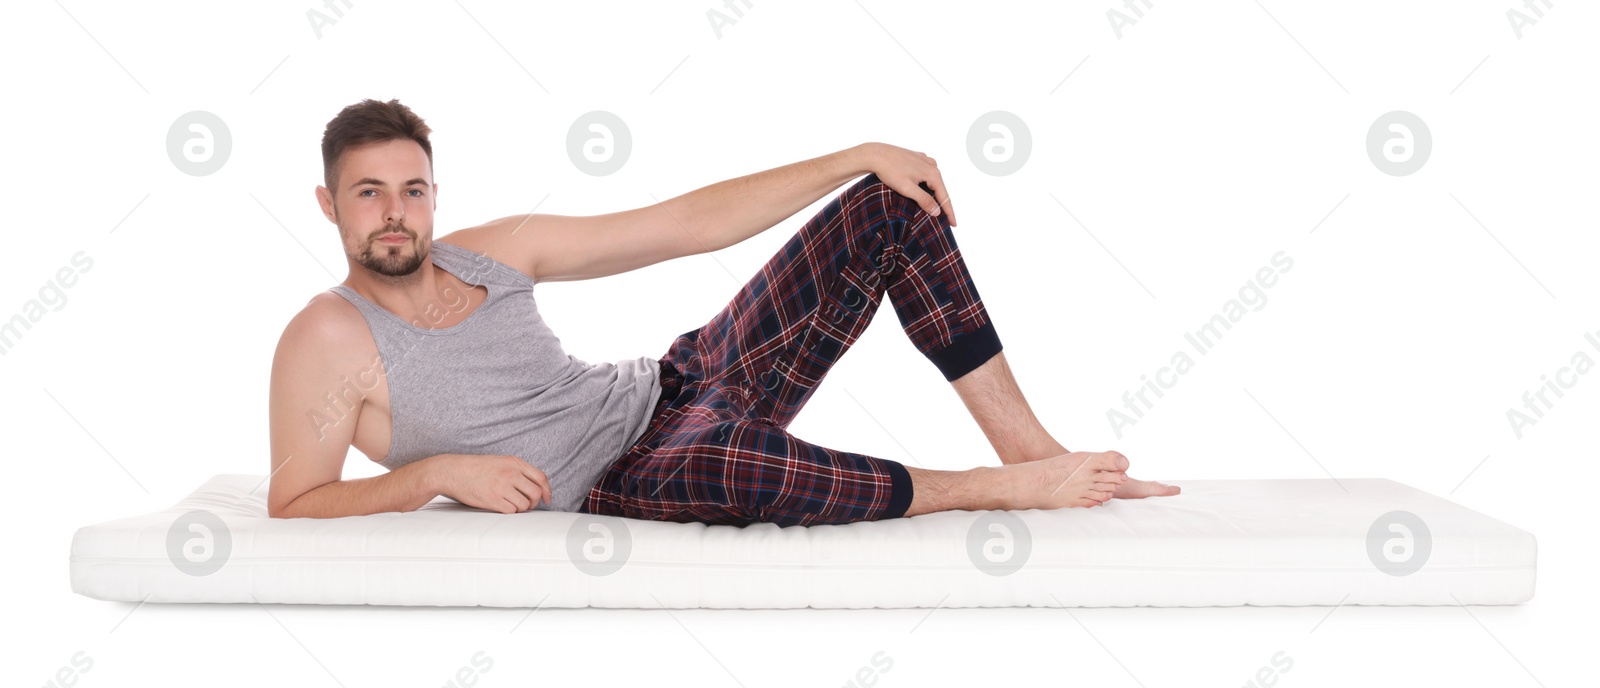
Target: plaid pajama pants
717	449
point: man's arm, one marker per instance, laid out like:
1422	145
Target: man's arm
308	451
406	488
308	446
551	248
505	484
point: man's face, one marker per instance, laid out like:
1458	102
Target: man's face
384	206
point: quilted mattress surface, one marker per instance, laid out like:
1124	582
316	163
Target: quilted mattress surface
1220	543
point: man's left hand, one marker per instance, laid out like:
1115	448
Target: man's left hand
905	170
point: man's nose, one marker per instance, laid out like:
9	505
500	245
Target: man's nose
395	213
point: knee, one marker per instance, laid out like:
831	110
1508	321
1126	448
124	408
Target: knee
869	185
757	445
898	206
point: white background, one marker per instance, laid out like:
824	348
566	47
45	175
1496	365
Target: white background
1206	138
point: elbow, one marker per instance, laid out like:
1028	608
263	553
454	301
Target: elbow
281	509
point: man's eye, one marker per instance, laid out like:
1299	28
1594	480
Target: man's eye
364	191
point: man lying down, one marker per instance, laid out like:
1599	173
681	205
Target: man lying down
431	358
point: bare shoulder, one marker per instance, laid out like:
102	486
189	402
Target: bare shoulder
512	240
325	318
328	329
327	340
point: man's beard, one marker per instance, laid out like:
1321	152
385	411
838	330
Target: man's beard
391	259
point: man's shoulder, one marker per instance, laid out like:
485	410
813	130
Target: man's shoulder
494	243
329	327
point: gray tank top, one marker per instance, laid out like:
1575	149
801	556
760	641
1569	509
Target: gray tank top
499	383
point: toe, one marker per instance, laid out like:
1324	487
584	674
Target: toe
1110	477
1114	461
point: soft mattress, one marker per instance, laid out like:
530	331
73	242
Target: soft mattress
1219	543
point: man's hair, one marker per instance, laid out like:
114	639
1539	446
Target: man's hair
369	121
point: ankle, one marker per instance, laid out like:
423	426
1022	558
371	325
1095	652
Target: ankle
1042	448
975	489
1003	487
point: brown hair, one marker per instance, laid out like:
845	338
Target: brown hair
370	121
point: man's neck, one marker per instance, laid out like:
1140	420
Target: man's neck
412	297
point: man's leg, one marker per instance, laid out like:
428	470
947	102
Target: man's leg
872	241
1069	480
781	334
991	394
739	472
753	366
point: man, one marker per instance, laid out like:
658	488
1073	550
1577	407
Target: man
431	357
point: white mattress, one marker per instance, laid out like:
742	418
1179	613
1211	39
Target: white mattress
1220	543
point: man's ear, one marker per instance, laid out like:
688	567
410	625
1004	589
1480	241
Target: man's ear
325	200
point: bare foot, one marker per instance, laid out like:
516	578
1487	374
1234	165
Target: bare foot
1079	479
1133	488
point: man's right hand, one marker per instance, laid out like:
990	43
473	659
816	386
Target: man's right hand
500	483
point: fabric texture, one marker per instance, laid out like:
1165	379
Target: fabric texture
717	449
499	383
